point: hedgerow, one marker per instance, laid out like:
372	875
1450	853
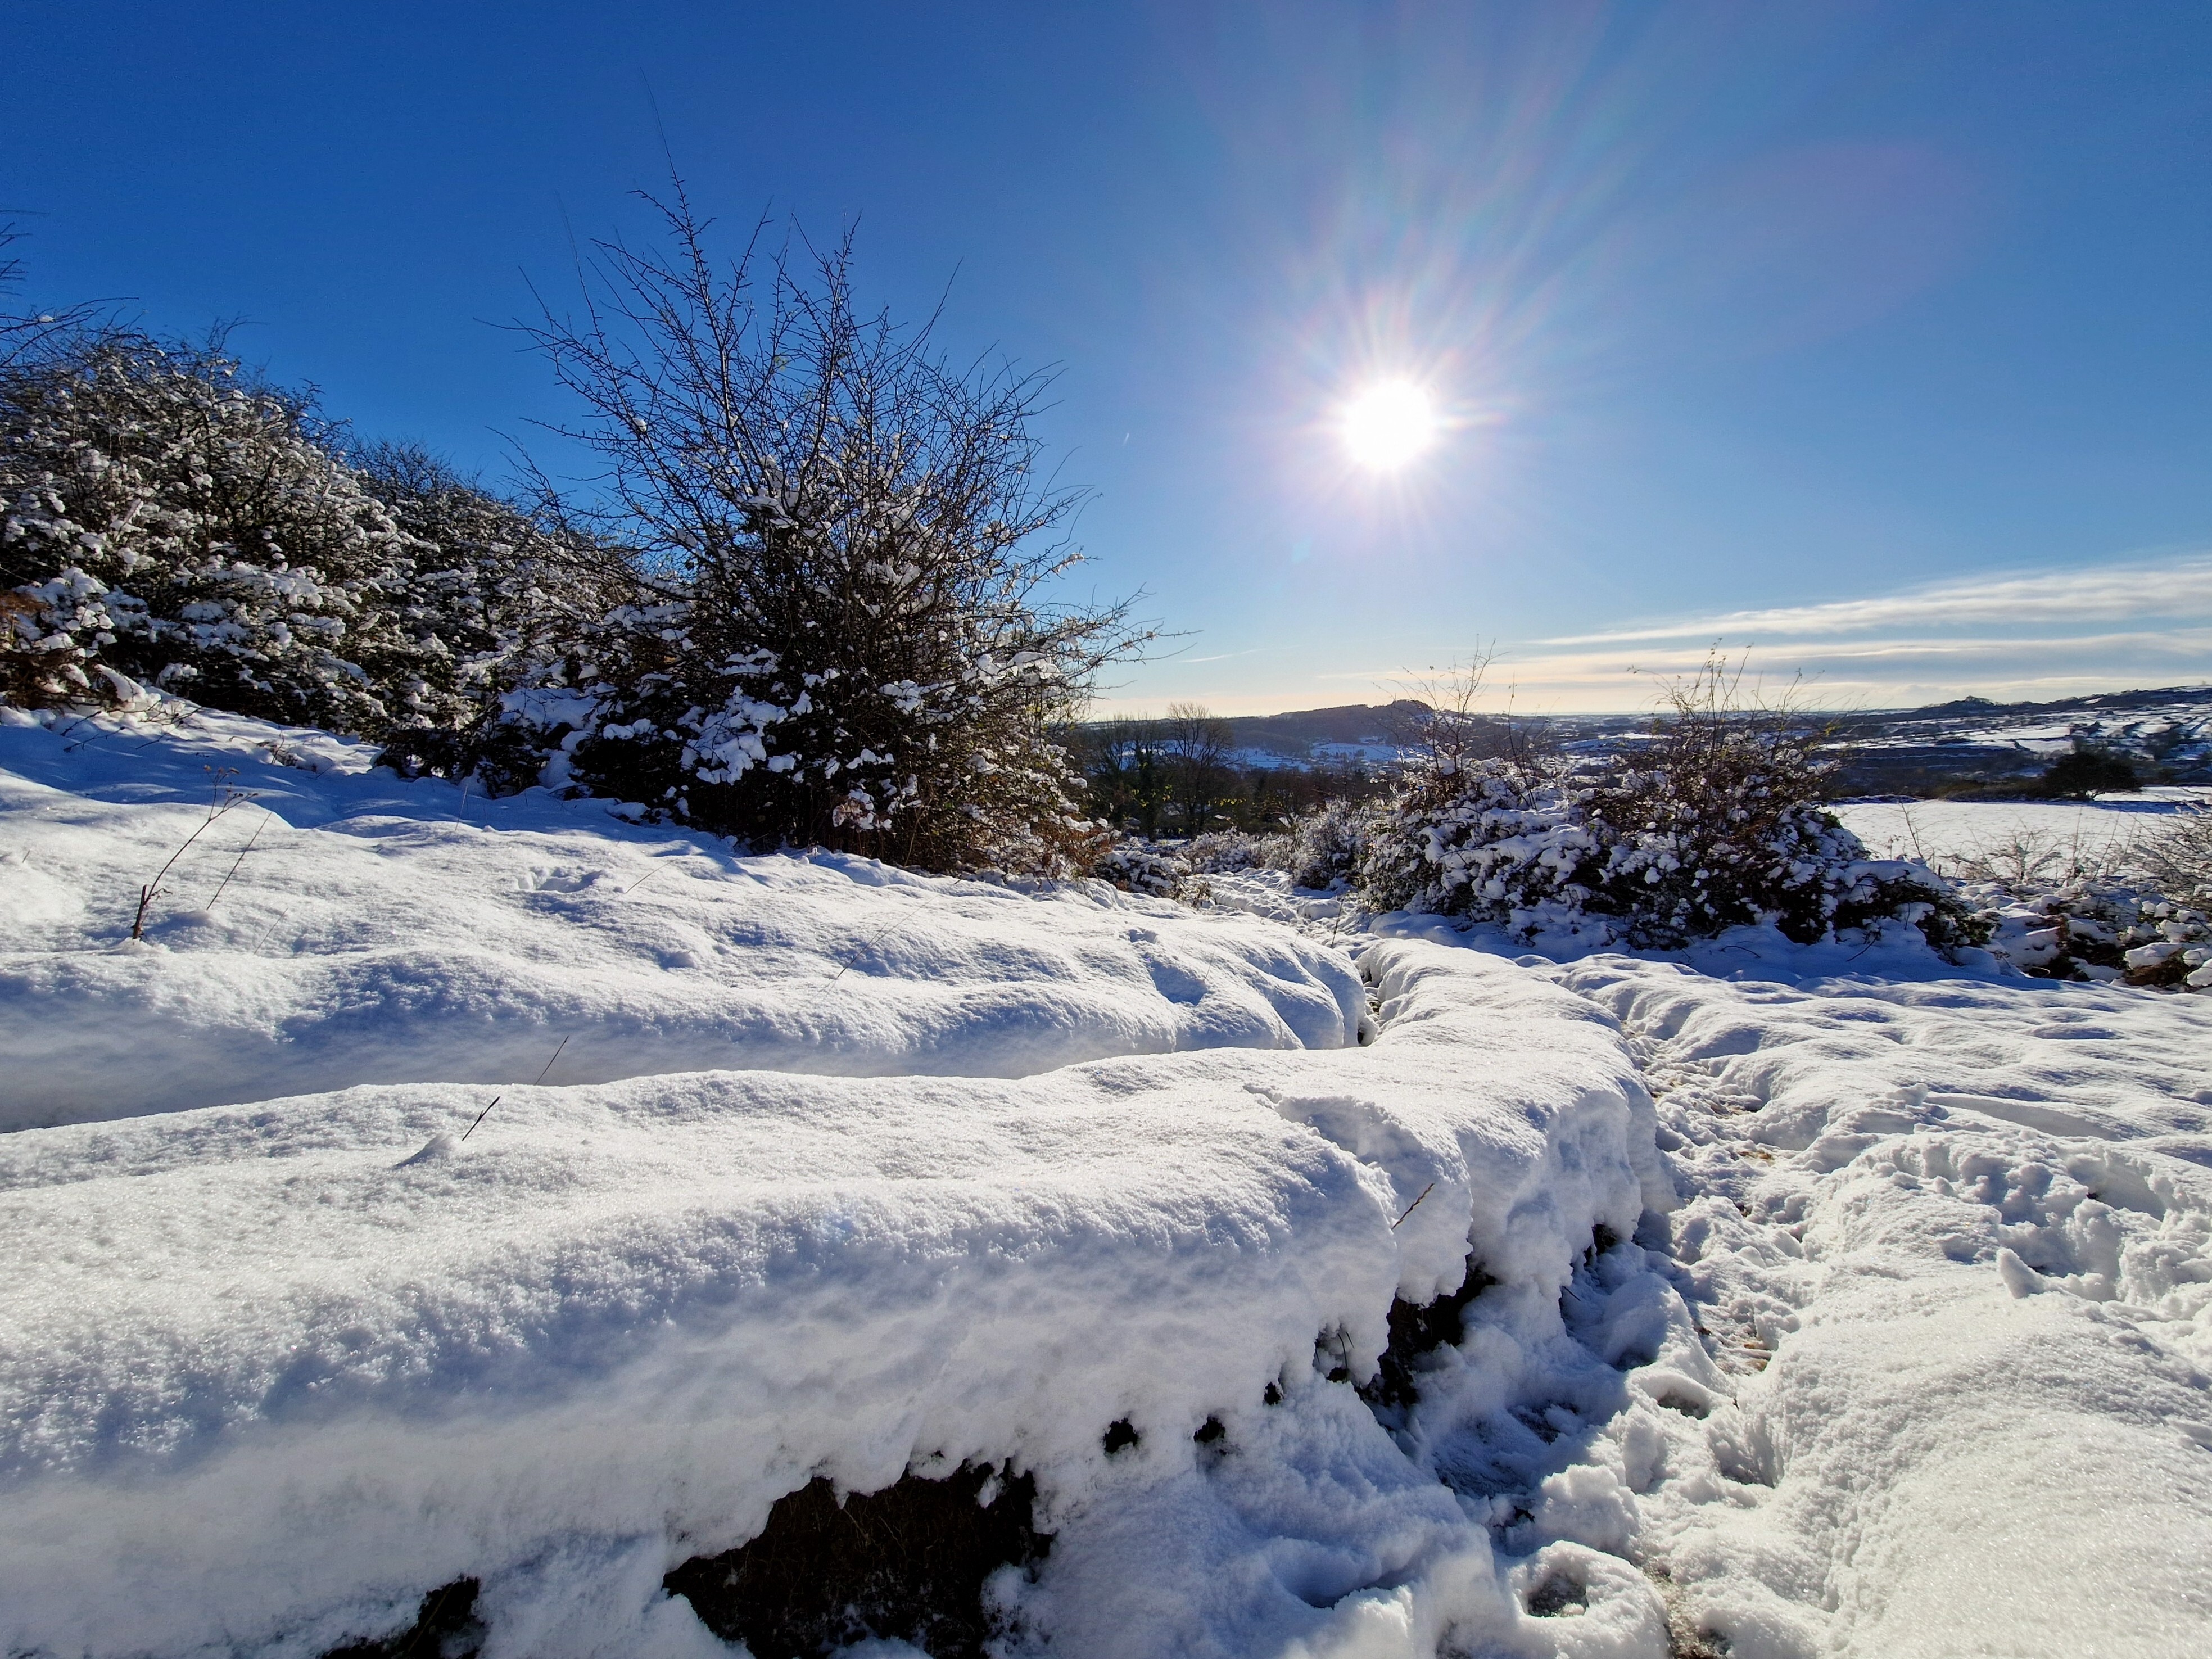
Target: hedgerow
1714	823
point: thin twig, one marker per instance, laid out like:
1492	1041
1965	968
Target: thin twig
866	946
495	1099
225	800
240	859
549	1064
481	1116
1414	1205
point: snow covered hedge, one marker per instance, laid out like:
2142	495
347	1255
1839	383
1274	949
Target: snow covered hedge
1652	856
810	605
167	518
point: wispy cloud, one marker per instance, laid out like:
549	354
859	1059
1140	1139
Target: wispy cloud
2024	636
2169	589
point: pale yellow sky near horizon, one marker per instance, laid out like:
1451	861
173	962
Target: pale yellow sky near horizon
2040	636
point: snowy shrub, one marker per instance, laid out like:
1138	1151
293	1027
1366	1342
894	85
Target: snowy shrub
1135	868
165	517
1496	838
1715	822
1324	848
2140	914
1320	849
1222	852
2177	860
2098	928
843	638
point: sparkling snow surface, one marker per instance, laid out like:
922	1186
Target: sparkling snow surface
1886	1333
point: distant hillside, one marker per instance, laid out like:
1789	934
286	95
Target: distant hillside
1943	745
1295	737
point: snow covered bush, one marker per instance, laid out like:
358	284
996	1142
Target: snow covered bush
1496	838
1137	867
2140	914
844	637
1320	849
1220	852
2099	928
2179	859
168	517
512	595
1323	848
1715	822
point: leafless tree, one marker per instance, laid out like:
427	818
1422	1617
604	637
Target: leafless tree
848	551
1198	746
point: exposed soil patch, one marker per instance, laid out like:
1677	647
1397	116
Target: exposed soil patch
445	1627
1417	1332
908	1563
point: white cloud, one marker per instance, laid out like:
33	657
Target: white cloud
2031	636
2168	590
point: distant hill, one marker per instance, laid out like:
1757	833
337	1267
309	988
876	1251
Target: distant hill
1893	751
1295	736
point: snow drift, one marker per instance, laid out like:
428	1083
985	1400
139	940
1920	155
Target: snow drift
278	1366
378	931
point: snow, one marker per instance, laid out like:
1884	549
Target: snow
284	1363
1954	1243
1836	1300
385	932
1945	833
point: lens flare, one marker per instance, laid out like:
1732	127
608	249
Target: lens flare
1390	424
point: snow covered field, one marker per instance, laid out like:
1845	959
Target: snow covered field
2003	833
1885	1331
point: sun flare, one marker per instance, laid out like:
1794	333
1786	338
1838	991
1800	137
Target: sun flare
1390	424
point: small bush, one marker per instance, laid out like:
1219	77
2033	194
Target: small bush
1716	823
842	637
2102	927
1135	868
2179	859
1223	851
2090	770
1323	848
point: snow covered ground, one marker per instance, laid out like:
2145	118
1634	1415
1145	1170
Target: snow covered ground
1886	1331
2011	835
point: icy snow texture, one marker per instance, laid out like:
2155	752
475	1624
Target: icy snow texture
1952	1251
272	1369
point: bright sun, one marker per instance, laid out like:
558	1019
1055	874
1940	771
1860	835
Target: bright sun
1389	424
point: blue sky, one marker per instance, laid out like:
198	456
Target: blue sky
1875	338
